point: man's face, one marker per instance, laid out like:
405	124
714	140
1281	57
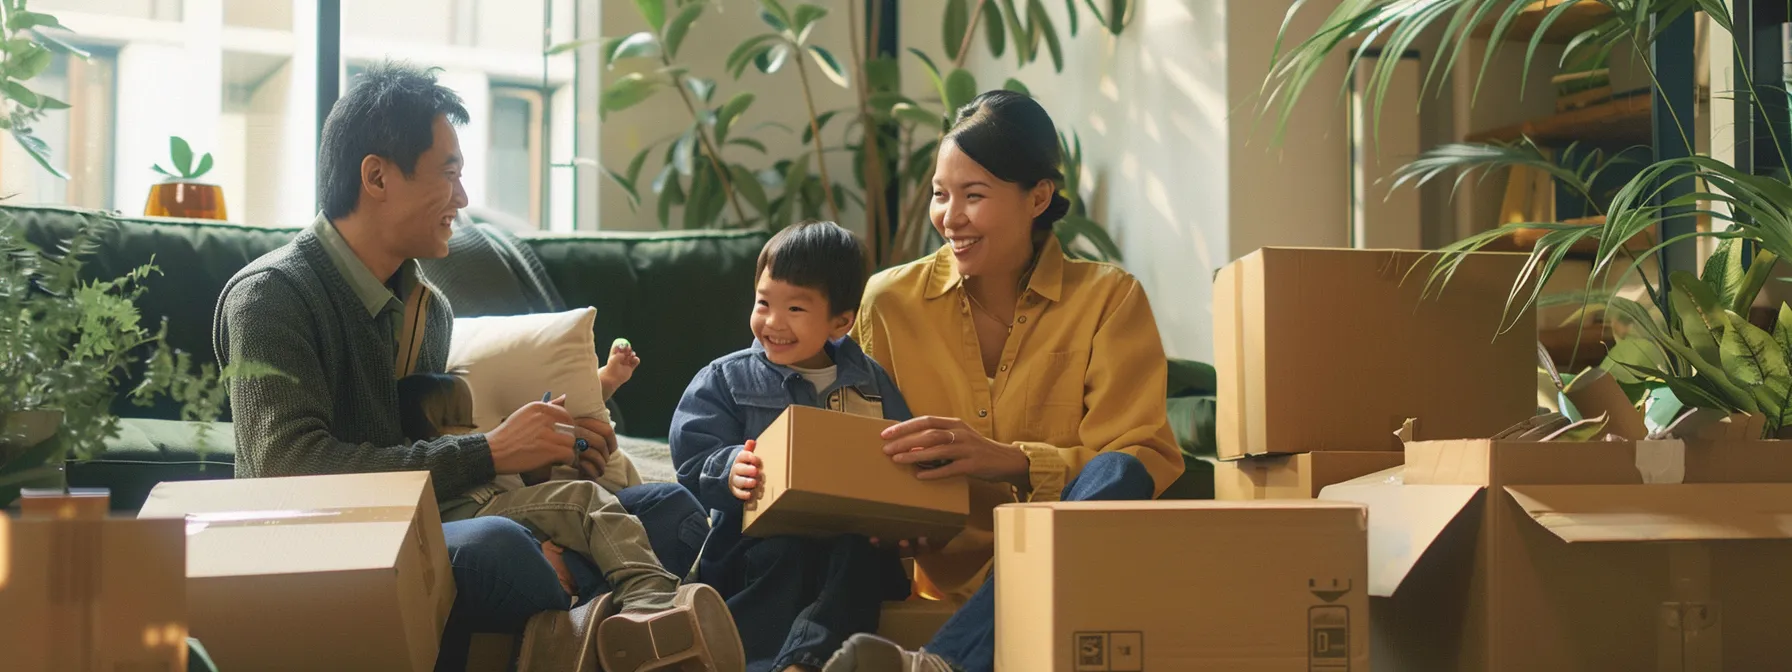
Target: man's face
420	208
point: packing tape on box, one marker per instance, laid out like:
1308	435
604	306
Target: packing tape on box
200	522
1661	461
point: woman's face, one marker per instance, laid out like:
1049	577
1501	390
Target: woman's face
988	221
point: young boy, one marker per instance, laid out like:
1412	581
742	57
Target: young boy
794	600
649	621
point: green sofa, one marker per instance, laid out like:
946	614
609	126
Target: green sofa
680	297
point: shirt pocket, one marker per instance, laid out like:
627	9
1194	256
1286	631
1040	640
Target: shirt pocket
1055	397
759	409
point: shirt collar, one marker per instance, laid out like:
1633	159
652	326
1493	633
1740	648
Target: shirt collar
375	296
1047	279
852	365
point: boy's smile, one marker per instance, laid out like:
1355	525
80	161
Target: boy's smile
793	323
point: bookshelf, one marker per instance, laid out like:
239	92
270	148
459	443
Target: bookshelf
1617	122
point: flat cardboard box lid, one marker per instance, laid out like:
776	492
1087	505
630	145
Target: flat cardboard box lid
294	525
1404	520
1690	512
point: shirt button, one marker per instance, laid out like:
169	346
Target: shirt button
1003	367
982	412
1022	319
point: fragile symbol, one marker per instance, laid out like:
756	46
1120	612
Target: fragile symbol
1109	651
1331	592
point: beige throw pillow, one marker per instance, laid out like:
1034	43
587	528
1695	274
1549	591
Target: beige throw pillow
511	361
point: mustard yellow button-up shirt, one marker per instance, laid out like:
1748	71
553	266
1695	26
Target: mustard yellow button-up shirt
1082	372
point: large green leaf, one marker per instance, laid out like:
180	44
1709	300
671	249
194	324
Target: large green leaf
638	45
38	149
626	92
1017	29
1191	378
1631	354
960	88
745	53
955	23
993	34
772	60
182	154
749	143
681	26
684	154
1016	86
1042	25
1073	228
748	186
30	64
920	117
1701	315
1118	12
829	66
653	12
805	18
703	190
730	112
1724	272
59	45
1782	336
821	124
1754	361
1759	271
773	14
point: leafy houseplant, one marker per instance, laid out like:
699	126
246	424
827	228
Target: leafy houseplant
180	194
1700	349
719	170
67	341
25	53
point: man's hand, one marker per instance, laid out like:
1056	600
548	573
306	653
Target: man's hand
600	438
743	477
528	439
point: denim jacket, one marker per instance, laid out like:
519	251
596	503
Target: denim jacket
736	397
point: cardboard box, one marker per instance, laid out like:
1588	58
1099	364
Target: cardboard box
1296	476
1334	349
92	594
1185	585
313	572
826	475
913	623
1495	555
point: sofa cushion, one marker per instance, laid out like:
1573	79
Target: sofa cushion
147	452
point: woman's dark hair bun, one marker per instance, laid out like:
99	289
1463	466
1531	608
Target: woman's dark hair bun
1013	138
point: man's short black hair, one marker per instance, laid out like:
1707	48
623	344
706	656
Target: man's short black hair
821	256
390	113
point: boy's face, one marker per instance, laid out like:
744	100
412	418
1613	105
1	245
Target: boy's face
792	323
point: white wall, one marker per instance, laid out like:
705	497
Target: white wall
779	98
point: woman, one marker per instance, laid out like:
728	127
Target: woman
1038	376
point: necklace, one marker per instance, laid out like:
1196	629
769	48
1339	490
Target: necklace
986	311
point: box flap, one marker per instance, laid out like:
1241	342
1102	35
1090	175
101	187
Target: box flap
1403	522
1692	512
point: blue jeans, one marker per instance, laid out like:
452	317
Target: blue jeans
796	600
502	578
968	639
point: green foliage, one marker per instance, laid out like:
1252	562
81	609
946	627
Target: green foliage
26	49
68	340
717	171
181	160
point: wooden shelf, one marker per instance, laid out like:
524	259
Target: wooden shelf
1525	240
1621	121
1578	19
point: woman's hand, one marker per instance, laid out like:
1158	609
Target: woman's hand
964	451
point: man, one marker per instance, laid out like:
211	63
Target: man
343	310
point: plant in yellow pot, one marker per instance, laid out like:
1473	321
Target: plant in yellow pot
181	194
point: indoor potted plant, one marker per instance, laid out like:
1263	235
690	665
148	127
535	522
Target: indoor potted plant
66	342
180	194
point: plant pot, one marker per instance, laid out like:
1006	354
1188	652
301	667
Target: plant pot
191	200
31	453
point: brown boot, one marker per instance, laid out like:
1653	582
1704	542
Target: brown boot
870	653
561	641
695	634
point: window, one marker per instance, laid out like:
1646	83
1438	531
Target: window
514	184
80	137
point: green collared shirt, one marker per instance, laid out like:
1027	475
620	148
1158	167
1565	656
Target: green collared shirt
382	304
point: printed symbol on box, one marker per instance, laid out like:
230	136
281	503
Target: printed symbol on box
1121	651
1328	638
1331	591
1091	652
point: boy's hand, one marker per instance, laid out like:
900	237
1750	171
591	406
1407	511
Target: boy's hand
743	477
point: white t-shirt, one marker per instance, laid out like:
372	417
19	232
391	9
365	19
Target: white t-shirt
820	378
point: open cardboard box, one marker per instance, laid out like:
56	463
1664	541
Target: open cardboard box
1181	585
1618	555
1299	476
826	474
345	572
1326	349
92	593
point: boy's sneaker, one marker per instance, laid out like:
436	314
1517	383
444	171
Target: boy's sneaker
696	634
870	653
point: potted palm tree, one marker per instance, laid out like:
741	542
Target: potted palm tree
1693	344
